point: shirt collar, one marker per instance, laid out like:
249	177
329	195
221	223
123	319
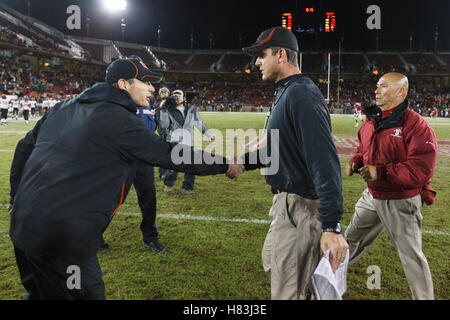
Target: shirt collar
284	81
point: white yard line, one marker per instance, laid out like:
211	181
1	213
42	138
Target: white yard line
12	132
254	221
234	220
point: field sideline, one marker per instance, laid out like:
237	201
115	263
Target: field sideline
214	239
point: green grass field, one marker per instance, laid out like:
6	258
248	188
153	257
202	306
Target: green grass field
210	253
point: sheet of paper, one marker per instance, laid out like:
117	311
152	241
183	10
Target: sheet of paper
329	285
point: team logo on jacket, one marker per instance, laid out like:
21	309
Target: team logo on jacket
397	133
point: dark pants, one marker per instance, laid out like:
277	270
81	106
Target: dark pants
143	178
162	172
50	277
26	114
170	176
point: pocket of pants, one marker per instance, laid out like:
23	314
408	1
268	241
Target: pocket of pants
290	213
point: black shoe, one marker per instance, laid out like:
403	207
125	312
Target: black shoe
155	245
103	245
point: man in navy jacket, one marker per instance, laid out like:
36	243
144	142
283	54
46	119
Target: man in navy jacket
142	176
307	185
67	180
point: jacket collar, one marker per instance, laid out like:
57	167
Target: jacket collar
284	81
395	119
102	92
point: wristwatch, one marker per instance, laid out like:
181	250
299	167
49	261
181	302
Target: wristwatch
336	229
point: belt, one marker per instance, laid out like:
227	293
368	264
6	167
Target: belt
275	191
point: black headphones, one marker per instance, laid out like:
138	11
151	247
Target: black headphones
184	96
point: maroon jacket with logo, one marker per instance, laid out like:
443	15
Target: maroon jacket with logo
404	149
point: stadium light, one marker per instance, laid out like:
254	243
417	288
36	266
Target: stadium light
115	5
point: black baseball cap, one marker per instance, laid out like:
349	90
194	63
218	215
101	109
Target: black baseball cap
130	68
273	37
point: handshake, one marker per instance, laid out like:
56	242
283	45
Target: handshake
235	167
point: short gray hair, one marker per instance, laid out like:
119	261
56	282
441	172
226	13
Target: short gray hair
163	89
292	55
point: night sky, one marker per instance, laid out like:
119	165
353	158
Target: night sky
227	18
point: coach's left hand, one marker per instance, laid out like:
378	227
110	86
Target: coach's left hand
369	173
337	246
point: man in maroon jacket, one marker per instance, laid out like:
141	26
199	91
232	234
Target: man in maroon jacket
396	157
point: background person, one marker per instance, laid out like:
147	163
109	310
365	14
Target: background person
176	118
396	157
163	93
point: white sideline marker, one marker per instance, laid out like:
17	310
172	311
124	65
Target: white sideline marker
205	218
255	221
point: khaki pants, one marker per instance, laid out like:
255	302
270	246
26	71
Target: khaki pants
403	222
291	250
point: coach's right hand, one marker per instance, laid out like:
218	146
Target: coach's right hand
9	208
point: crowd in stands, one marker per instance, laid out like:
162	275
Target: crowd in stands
427	101
19	77
213	92
10	37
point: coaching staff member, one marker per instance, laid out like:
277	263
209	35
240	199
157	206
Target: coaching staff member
396	157
307	205
72	167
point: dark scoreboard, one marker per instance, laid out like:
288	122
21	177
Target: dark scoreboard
309	20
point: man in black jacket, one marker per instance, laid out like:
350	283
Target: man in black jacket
303	171
67	180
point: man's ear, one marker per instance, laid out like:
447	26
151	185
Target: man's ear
282	55
402	92
122	84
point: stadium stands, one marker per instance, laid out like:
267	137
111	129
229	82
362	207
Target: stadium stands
424	62
93	51
211	78
174	60
232	62
387	62
350	62
202	62
314	63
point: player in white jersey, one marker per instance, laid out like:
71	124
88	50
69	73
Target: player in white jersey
33	107
46	104
4	106
54	101
357	113
26	109
15	105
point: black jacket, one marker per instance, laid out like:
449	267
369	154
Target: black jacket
308	161
72	167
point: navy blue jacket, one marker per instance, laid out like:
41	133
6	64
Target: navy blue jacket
308	160
67	173
147	118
